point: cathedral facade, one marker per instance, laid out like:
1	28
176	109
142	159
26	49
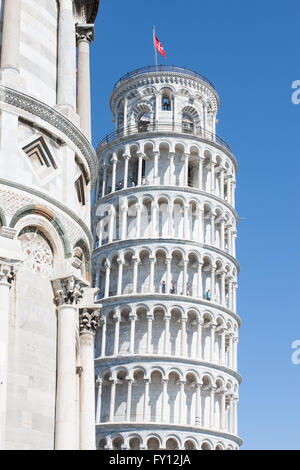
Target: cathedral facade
48	167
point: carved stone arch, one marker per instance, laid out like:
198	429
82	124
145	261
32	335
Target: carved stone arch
2	218
191	111
141	108
50	216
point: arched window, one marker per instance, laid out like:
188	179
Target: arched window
38	252
144	122
187	123
166	100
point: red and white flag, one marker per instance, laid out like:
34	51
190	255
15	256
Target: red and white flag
159	46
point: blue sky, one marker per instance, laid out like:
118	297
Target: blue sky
250	51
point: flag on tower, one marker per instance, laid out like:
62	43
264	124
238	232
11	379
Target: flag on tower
159	46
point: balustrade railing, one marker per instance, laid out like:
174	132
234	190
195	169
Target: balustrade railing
162	68
150	127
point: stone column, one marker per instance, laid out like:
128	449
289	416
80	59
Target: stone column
66	77
152	264
88	323
103	339
170	221
120	276
146	400
233	193
155	167
67	292
154	219
112	400
140	168
212	174
126	161
235	343
200	172
99	393
212	341
168	276
11	35
84	37
222	183
135	274
149	332
164	418
128	404
186	168
200	226
223	411
104	179
171	168
167	335
222	234
230	351
111	214
138	221
114	161
124	210
6	277
235	421
183	337
187	234
212	408
223	347
223	288
116	318
212	287
198	420
199	340
212	228
199	279
185	276
107	279
230	416
132	318
181	403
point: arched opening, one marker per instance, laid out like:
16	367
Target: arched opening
172	444
102	444
144	122
153	443
117	443
134	443
137	399
189	445
166	98
187	123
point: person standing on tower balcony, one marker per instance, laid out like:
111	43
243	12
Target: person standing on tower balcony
163	287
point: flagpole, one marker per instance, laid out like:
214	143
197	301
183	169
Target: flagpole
155	53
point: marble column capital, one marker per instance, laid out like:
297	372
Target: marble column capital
68	290
84	32
89	319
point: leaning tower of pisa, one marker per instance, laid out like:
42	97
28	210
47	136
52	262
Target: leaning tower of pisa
164	224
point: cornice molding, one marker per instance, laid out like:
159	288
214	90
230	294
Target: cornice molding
54	118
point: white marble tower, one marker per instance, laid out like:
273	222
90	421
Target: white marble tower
164	224
47	169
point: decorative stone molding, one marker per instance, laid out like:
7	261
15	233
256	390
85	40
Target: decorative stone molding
6	273
55	119
89	319
122	88
68	290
